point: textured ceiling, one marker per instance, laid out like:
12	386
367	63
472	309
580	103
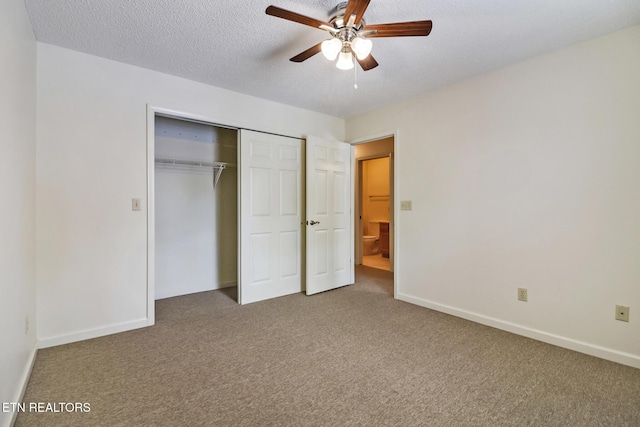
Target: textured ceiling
233	44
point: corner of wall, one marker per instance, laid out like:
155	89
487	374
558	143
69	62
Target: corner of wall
24	381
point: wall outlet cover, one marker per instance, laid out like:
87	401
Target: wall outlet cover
522	294
622	313
405	205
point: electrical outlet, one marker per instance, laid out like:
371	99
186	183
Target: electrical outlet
522	294
622	313
26	325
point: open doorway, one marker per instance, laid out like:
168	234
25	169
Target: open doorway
375	212
374	203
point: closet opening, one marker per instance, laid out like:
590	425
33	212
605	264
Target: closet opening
195	207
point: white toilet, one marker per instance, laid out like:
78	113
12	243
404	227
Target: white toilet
369	245
370	241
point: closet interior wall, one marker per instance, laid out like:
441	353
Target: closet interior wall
195	217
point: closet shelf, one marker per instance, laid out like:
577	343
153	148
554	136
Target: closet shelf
216	167
191	163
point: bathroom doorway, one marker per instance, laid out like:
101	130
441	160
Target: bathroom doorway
374	203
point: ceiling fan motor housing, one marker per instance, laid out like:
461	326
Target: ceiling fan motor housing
338	20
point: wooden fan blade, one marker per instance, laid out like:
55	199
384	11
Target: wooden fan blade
367	63
296	17
356	7
307	53
400	29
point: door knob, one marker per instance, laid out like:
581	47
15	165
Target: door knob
312	222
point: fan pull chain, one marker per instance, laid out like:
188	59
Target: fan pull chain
355	74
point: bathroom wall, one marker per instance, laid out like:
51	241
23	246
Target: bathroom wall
378	148
375	191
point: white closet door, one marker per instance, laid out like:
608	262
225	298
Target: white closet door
270	216
329	192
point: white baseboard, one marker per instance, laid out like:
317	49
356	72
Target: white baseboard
571	344
93	333
24	381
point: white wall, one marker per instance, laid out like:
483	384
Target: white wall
91	160
195	225
17	192
526	177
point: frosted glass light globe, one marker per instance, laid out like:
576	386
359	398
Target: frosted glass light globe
331	48
345	61
362	47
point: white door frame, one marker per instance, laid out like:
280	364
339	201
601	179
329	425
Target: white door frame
395	217
152	111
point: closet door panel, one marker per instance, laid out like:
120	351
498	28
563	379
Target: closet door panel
260	269
260	192
290	200
270	215
289	254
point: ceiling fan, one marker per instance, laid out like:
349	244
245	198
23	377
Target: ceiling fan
350	34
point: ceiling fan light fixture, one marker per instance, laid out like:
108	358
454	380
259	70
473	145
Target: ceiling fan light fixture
349	28
345	61
331	48
361	47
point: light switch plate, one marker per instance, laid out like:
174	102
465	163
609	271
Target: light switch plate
405	205
136	205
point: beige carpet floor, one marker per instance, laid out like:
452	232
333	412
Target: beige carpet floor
352	356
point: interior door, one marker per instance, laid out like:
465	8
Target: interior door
270	216
329	234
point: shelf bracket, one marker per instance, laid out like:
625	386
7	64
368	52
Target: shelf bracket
217	171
